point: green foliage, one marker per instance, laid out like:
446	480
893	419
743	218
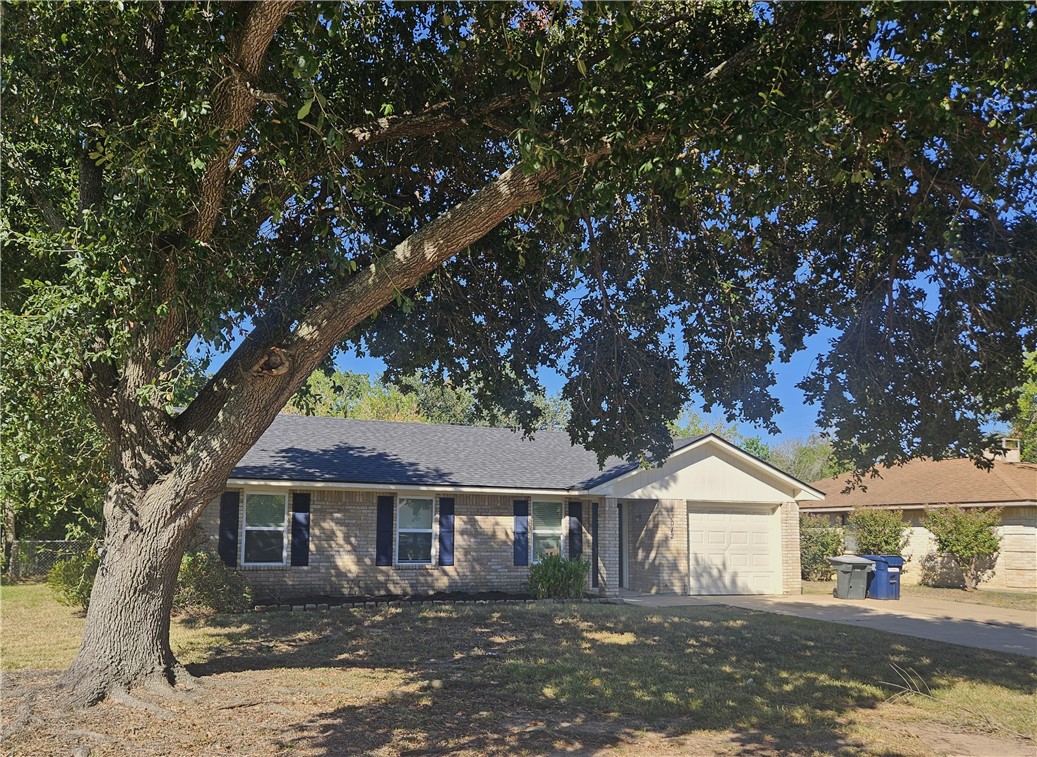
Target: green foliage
72	580
205	584
817	542
1024	423
698	117
809	460
967	535
877	531
556	577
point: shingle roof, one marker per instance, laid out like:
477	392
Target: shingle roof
934	482
301	448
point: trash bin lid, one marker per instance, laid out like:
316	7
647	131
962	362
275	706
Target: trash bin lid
850	560
892	561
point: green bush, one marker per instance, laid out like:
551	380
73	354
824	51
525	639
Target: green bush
554	577
967	536
205	584
72	580
817	542
878	532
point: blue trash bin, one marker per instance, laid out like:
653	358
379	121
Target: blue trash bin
884	582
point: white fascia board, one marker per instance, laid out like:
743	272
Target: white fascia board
345	486
801	490
915	506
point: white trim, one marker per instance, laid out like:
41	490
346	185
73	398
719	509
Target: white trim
801	491
916	506
245	528
346	486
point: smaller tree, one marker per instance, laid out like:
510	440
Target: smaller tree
878	532
818	540
969	537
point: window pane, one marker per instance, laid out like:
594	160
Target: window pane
546	545
264	546
415	513
547	516
264	510
415	547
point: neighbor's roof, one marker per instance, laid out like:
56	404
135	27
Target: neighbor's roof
934	482
301	448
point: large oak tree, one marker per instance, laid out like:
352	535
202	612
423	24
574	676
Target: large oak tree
653	198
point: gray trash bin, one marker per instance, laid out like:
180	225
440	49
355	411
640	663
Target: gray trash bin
851	576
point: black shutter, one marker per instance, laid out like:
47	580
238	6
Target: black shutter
230	506
521	532
300	529
594	545
575	530
383	531
446	530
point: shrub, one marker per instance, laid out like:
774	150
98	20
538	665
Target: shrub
817	542
967	536
554	577
72	579
878	532
205	584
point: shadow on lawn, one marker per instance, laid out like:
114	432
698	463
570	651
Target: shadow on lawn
497	679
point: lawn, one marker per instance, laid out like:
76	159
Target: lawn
527	679
1009	600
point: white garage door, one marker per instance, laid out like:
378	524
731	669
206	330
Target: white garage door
734	550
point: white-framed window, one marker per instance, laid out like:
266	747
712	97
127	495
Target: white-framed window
546	530
264	528
414	530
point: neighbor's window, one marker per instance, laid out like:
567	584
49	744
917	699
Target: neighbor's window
265	518
414	531
547	530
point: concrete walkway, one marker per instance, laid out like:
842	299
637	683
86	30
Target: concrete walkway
1010	631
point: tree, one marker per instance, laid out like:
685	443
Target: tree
968	536
810	459
1024	425
484	190
878	532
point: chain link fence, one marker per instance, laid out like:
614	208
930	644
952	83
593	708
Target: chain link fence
32	560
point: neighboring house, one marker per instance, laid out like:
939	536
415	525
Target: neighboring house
327	506
914	486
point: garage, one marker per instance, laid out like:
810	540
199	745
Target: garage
734	549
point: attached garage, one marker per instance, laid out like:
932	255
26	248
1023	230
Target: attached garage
734	549
711	520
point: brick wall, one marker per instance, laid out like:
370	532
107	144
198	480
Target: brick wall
342	550
791	569
657	545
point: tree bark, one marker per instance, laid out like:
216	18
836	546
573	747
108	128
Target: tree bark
125	639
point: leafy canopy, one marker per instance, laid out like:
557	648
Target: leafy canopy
718	182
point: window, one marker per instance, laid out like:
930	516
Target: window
414	531
266	516
547	530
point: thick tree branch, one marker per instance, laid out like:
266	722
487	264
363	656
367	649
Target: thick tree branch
235	99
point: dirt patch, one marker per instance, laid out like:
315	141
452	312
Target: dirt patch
362	599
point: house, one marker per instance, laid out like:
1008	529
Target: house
916	485
328	506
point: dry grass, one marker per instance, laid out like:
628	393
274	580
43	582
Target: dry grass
534	679
1008	600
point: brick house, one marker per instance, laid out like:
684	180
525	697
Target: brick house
1010	484
328	506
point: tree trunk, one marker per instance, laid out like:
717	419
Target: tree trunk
126	635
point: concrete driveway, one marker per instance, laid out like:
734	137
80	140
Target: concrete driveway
1010	631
